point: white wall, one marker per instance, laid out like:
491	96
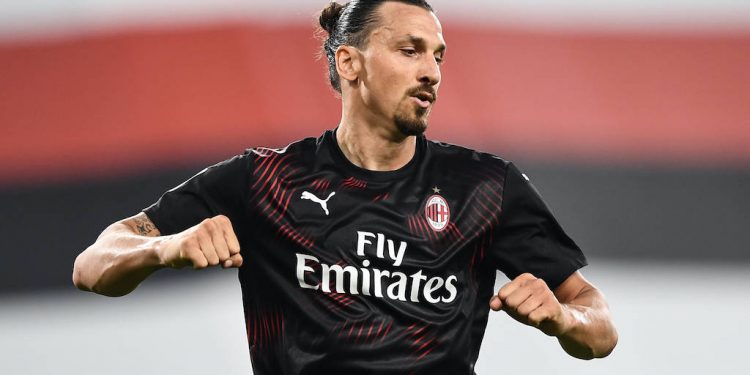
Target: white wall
672	320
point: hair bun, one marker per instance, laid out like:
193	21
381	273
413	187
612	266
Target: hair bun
330	16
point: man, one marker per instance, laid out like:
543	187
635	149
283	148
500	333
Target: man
369	249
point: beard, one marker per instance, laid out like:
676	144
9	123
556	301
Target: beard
412	124
413	121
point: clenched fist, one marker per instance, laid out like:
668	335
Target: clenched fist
529	300
210	243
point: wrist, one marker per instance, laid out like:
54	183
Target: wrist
156	250
570	319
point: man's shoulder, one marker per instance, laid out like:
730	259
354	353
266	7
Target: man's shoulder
453	154
299	147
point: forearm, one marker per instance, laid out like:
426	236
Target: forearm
117	262
591	333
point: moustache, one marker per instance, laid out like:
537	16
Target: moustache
424	92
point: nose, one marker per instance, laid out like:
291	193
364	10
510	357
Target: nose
430	72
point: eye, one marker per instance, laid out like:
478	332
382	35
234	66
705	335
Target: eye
439	59
409	51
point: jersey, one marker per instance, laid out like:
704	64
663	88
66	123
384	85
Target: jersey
352	271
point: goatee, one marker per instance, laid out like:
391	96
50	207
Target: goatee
417	124
411	126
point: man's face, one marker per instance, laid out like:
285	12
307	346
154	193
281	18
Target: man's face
402	60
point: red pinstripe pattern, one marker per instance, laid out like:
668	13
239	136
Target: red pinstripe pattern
295	236
273	193
369	331
495	202
381	197
353	183
341	327
423	340
427	228
265	328
387	330
267	202
453	228
267	176
421	228
380	328
363	332
320	184
261	171
342	299
286	204
486	207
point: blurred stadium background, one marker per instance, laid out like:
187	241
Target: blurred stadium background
631	116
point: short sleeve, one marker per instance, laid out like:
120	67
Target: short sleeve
529	238
220	189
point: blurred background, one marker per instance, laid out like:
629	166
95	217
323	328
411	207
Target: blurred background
632	117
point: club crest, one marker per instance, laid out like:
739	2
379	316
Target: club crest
437	212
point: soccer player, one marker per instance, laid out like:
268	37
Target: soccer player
368	249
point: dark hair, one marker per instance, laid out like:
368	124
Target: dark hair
351	24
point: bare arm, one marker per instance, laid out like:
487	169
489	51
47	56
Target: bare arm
130	250
590	332
576	313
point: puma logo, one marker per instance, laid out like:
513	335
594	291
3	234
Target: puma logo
321	202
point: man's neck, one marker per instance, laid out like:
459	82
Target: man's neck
374	148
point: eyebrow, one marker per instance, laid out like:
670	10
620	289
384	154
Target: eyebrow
419	41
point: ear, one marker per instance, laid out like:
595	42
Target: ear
348	63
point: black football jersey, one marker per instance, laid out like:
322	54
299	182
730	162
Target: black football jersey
352	271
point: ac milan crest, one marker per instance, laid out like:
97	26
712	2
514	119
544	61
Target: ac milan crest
437	212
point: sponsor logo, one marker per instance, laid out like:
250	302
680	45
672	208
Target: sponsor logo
392	283
322	202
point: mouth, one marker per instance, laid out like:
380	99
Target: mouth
424	99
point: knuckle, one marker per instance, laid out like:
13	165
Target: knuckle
200	231
210	226
233	249
512	303
524	310
539	285
211	256
194	255
191	243
222	244
221	219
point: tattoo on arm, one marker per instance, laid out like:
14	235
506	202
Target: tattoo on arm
144	226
